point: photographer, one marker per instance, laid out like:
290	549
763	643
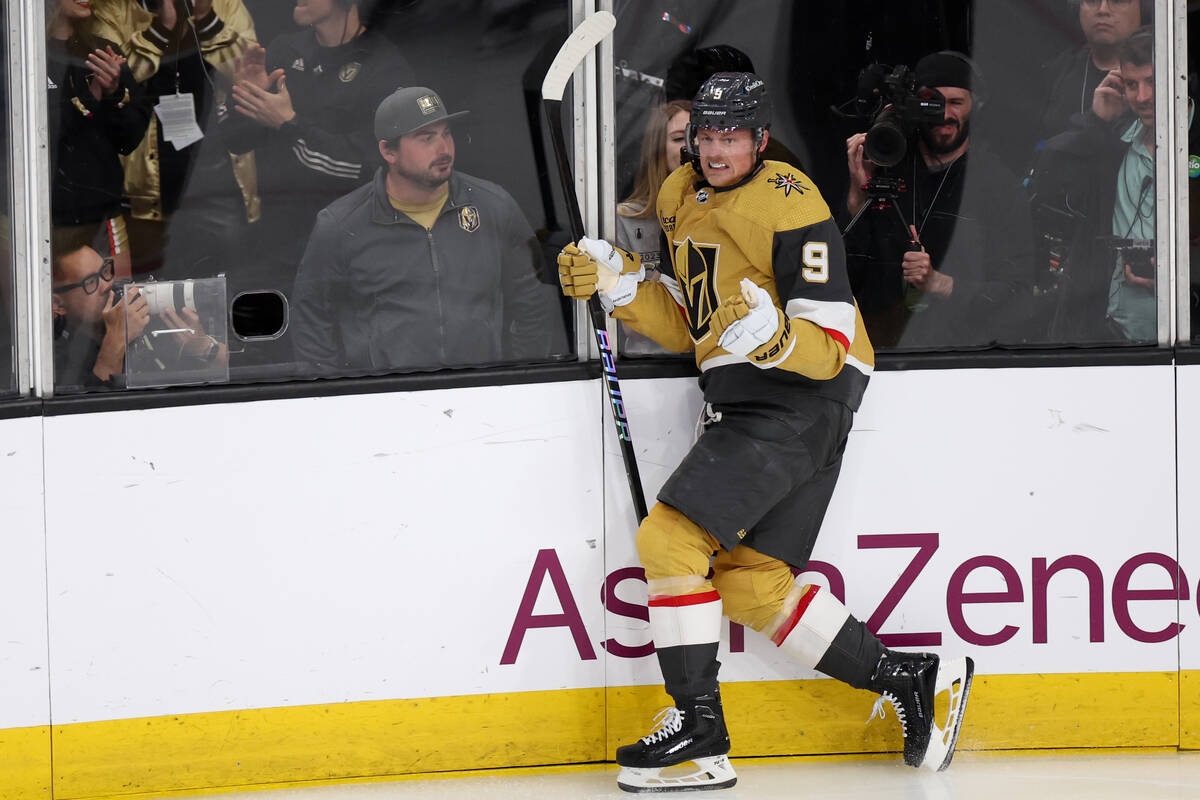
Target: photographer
96	326
1100	176
91	325
949	270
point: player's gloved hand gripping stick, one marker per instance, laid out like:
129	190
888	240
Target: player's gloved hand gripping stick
581	41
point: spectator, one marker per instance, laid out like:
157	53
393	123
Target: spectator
96	114
97	338
953	278
185	49
91	325
305	106
638	230
1103	172
1071	79
423	267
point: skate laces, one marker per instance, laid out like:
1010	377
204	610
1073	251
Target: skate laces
669	722
878	710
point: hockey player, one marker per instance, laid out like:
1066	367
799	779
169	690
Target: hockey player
760	293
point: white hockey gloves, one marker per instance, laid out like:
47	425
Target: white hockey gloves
595	265
747	322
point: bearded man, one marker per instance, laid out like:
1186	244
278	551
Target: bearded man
956	271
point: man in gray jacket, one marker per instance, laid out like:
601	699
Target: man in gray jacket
424	267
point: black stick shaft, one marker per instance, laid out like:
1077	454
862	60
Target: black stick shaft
596	313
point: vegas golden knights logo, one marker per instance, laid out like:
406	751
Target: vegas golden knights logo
468	219
696	268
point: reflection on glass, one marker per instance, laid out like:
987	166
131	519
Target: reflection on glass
990	196
8	339
1193	185
186	338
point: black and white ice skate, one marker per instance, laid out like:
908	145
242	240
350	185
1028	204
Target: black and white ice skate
910	682
694	731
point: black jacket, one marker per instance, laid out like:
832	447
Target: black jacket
1073	193
88	136
329	149
975	227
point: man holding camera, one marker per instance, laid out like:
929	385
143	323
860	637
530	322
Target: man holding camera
97	322
949	269
91	324
1102	171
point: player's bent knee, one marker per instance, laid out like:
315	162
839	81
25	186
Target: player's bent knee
754	595
670	545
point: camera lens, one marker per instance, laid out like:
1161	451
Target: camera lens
886	142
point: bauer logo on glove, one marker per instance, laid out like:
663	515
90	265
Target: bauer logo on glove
751	321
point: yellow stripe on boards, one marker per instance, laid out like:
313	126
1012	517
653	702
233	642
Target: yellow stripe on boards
1005	711
1189	709
1102	709
338	741
25	763
350	741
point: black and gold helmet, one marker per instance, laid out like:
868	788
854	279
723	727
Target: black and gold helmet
729	100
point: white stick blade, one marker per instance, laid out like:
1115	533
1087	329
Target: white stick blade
574	50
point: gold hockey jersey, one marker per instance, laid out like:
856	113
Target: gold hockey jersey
775	229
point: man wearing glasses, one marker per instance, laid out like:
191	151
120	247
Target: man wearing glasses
91	326
1071	79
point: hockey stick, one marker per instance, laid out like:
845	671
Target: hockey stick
574	50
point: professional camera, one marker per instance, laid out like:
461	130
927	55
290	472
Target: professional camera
896	105
173	295
1055	230
1137	254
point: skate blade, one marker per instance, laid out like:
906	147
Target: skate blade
700	775
954	677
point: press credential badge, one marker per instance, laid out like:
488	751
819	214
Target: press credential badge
177	115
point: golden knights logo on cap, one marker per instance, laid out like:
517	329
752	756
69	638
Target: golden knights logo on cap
429	104
468	219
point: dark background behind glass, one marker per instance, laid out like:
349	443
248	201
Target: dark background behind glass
8	379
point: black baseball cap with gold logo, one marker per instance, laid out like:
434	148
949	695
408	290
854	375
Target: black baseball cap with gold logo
407	109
